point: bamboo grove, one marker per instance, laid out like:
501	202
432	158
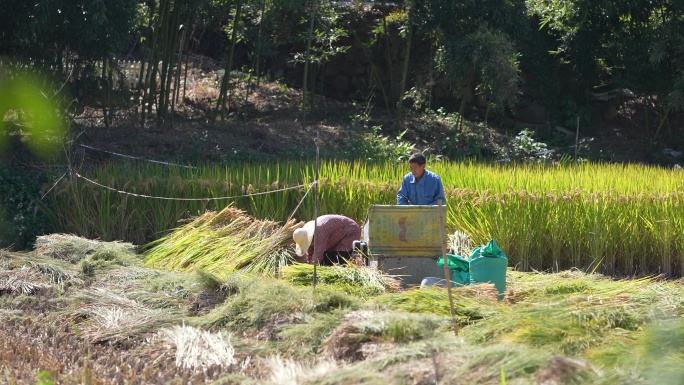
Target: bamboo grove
566	50
622	220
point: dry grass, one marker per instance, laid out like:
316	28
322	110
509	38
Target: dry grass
348	343
114	318
21	281
286	371
29	345
200	349
127	326
73	248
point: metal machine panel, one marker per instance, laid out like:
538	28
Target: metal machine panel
403	230
411	270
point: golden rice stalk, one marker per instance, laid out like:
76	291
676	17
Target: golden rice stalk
220	243
460	243
287	371
200	349
111	317
21	281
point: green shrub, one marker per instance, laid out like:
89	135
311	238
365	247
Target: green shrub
21	216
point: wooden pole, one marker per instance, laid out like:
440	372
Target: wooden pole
447	272
315	262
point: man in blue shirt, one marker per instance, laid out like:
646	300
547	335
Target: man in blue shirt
420	186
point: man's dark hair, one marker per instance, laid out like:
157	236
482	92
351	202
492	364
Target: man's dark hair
417	158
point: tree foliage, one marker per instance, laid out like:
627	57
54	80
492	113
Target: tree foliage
477	43
634	44
571	49
54	34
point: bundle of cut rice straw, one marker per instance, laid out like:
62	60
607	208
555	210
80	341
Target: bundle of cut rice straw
224	242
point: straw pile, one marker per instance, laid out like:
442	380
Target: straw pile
220	243
73	248
21	281
200	349
352	279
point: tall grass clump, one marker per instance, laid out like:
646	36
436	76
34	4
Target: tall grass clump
224	242
614	234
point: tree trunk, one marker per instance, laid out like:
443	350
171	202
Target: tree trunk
222	101
388	56
104	97
404	74
262	11
314	4
151	76
172	60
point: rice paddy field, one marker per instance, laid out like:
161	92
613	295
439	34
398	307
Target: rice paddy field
197	290
616	219
80	311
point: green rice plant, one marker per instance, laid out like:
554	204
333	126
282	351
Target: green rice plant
447	359
357	280
588	216
207	280
468	306
148	285
224	242
577	314
483	363
303	340
264	300
677	223
619	353
103	262
660	231
403	327
328	298
661	349
159	289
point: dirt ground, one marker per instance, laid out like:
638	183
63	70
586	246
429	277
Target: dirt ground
266	123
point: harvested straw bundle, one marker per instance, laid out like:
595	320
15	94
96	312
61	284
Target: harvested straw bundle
115	318
73	248
200	349
352	279
470	303
21	281
222	242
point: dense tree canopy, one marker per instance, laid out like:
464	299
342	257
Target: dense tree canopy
566	50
